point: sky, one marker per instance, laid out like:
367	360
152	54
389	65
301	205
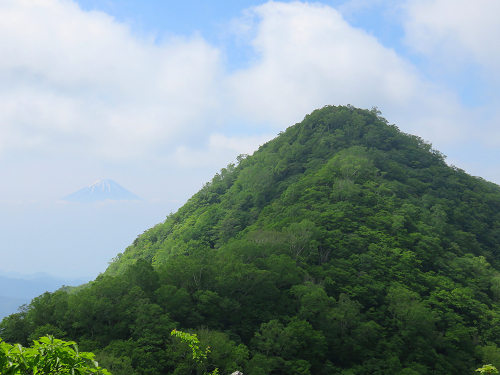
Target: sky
160	95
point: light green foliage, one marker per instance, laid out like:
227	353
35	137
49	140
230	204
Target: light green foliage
47	356
488	369
193	342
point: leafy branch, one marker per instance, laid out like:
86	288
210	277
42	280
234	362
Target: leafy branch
193	342
48	356
488	369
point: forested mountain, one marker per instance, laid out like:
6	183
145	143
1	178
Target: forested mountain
343	246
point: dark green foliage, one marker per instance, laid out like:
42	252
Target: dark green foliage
343	246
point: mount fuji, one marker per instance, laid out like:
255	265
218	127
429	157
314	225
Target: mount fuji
102	190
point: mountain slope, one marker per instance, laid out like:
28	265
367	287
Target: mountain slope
343	246
341	157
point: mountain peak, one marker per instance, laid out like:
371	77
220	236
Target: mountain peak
103	185
102	190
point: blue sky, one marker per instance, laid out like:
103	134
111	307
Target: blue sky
160	95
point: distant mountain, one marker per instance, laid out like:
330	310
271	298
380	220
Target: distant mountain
20	289
102	190
44	276
10	305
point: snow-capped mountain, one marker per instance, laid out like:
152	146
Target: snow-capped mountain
100	191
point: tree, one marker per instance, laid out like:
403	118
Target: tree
193	342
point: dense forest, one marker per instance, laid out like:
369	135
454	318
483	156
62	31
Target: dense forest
342	246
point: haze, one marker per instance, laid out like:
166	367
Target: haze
160	95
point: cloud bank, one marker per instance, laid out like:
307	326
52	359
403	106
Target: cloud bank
459	40
80	84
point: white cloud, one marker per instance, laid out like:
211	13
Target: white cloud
310	56
455	29
219	151
80	81
459	39
80	84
